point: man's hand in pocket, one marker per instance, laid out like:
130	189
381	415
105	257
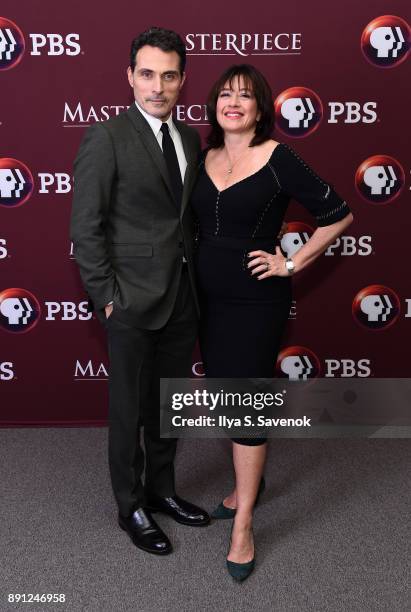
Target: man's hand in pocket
108	309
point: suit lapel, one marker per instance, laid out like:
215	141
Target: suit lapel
191	156
151	144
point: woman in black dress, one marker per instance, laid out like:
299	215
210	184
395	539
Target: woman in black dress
245	182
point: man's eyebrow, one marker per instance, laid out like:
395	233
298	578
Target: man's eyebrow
165	72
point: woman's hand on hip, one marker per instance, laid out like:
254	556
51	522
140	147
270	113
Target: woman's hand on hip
266	264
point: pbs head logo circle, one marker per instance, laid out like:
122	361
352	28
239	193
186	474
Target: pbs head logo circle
12	44
19	311
295	236
376	307
385	41
16	182
380	179
297	363
298	111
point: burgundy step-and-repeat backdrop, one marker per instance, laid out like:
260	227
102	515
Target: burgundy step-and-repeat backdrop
340	75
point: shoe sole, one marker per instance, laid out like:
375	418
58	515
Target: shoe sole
149	550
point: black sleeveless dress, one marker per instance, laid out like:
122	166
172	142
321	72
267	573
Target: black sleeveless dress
243	319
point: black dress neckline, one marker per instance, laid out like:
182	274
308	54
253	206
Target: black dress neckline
246	178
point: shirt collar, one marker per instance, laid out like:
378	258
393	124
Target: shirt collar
156	123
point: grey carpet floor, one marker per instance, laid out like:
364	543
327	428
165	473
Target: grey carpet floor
332	531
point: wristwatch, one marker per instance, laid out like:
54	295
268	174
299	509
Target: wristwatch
289	264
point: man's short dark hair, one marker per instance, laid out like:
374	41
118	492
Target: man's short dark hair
257	83
166	40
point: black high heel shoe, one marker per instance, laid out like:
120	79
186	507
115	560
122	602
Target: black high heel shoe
240	571
222	512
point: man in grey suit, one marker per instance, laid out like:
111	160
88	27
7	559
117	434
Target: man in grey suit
133	240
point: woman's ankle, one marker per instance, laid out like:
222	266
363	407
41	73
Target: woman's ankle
243	520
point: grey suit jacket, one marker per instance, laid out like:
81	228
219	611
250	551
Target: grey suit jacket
129	234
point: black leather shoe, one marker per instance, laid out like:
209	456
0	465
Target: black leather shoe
145	533
180	510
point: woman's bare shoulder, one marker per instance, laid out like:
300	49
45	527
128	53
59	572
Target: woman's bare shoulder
271	145
266	150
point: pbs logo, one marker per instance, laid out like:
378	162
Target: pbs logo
347	246
296	235
376	307
298	111
16	182
297	363
385	41
19	310
12	44
380	179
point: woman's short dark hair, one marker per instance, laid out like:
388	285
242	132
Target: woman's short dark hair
166	40
254	80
